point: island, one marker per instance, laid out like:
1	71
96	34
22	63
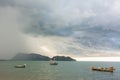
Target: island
63	58
3	60
39	57
30	57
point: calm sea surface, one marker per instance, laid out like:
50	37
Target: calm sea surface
41	70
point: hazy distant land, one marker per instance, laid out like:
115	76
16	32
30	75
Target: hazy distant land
2	60
38	57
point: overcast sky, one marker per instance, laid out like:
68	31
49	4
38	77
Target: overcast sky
78	28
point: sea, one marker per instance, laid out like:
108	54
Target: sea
65	70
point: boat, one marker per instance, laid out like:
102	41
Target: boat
52	62
110	69
20	66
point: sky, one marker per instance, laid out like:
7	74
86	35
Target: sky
76	28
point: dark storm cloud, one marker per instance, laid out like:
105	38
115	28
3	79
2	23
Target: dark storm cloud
99	38
63	18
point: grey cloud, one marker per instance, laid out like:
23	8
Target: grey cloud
92	23
99	23
53	18
99	38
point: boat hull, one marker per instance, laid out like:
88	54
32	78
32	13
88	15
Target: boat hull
111	69
102	70
53	63
20	66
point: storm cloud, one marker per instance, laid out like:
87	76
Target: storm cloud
73	27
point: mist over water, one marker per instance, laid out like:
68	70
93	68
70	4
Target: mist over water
11	40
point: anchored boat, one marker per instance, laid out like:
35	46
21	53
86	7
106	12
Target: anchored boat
52	62
20	66
110	69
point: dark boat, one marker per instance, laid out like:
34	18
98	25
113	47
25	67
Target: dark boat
110	69
20	66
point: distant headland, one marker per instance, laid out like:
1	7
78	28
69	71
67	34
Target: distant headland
63	58
39	57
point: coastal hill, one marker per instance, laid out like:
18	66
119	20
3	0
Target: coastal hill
2	60
31	57
38	57
63	58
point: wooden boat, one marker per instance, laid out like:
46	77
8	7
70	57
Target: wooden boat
20	66
110	69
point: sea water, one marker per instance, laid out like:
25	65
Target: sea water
65	70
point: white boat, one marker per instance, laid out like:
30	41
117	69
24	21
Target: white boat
53	62
20	66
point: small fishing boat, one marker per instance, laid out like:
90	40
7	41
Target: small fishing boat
20	66
52	62
110	69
